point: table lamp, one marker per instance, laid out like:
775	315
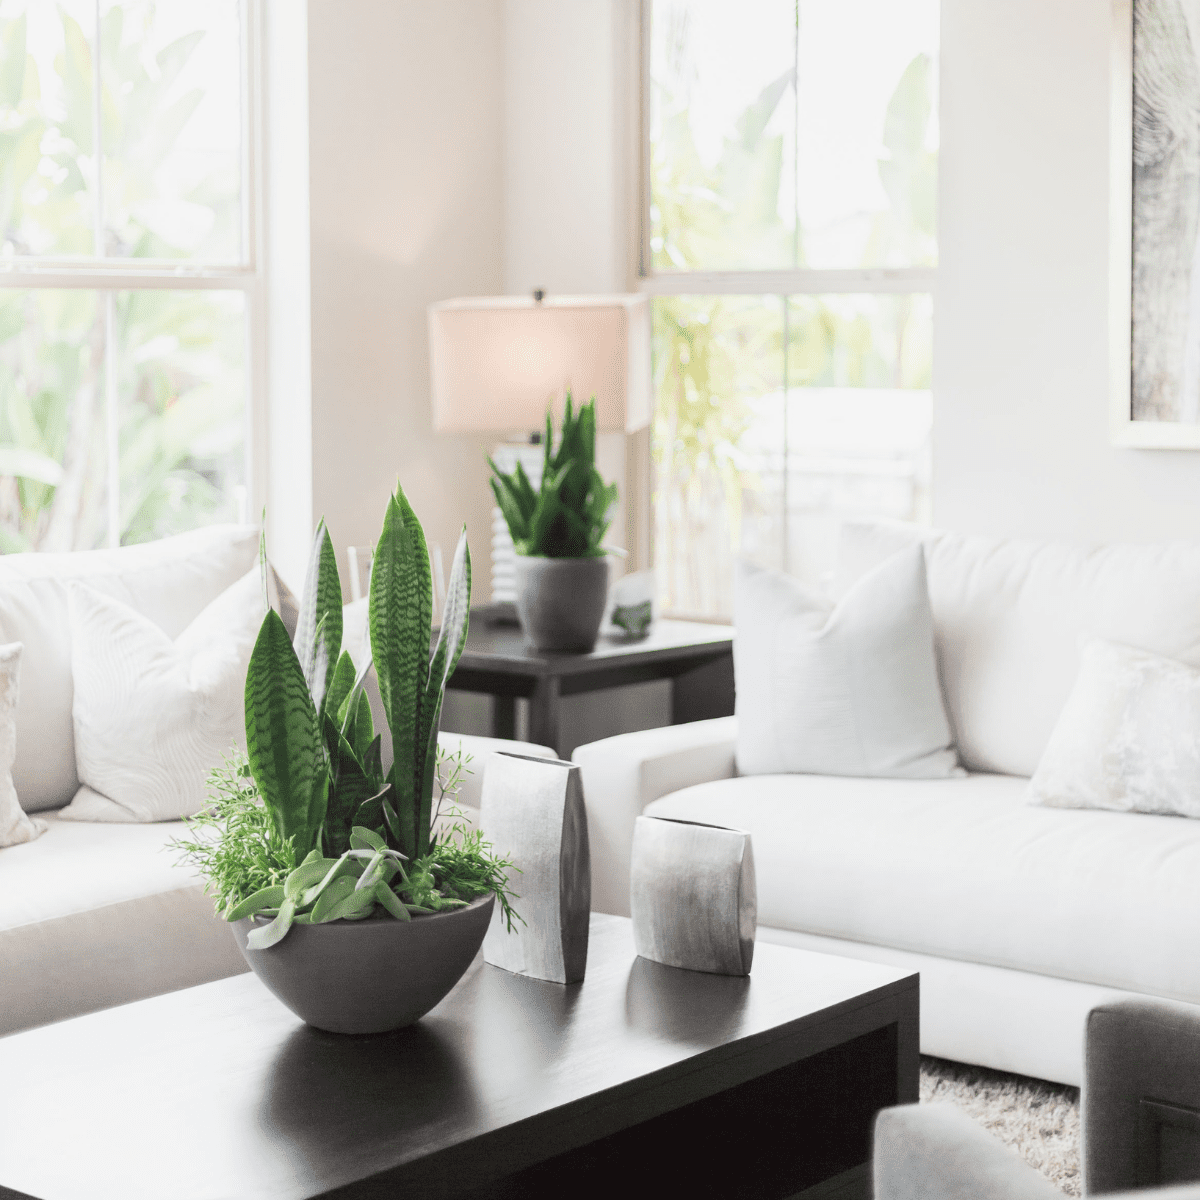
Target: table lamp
497	363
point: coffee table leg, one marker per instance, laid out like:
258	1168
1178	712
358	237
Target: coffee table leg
504	716
544	714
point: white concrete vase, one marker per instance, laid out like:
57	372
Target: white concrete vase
532	812
692	895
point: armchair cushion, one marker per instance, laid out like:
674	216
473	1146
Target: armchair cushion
1141	1095
936	1152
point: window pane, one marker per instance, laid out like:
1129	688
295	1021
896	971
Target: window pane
718	372
182	410
745	468
53	479
46	166
171	71
782	136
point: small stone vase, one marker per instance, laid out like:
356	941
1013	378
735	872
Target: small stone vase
560	601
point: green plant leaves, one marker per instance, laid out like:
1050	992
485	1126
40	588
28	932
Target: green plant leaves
318	639
452	638
283	737
568	516
401	616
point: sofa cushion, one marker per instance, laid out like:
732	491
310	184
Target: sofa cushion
154	716
96	915
1007	618
851	690
168	581
1128	738
965	869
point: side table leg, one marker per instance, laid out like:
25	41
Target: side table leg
544	714
504	716
703	692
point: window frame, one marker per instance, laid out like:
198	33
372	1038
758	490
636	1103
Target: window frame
107	276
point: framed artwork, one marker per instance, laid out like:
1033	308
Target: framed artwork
1155	259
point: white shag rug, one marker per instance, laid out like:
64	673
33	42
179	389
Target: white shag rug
1039	1120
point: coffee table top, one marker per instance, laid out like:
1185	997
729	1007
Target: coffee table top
219	1090
503	648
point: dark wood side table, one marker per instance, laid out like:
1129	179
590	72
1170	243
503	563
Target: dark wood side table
698	659
641	1081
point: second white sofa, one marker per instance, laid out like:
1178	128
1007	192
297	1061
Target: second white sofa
1019	918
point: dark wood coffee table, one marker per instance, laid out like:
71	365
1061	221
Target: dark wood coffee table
643	1080
497	660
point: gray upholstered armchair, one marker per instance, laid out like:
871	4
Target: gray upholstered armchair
1141	1121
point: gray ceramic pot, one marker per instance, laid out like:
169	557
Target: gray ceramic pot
370	976
560	601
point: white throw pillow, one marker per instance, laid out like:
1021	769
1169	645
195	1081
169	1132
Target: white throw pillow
153	716
1128	737
15	826
851	690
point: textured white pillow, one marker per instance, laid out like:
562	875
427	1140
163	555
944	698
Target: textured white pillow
153	716
1128	737
851	690
15	826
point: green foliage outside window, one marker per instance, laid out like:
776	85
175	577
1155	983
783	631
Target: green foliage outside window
713	355
178	354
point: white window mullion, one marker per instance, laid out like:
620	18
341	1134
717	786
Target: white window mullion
97	145
112	419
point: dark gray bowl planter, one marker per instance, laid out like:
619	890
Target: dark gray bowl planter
370	976
560	601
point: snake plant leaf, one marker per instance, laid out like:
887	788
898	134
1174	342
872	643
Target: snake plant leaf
340	686
334	893
321	600
526	496
372	763
362	733
351	787
401	615
518	521
452	639
268	897
370	811
283	735
349	706
263	937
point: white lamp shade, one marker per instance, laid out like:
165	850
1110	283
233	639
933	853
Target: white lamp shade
499	362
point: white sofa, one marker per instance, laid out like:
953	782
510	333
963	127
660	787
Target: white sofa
93	915
1019	918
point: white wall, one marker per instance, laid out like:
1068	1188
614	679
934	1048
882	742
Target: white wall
1020	352
406	116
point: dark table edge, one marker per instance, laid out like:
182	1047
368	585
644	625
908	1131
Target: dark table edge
522	1144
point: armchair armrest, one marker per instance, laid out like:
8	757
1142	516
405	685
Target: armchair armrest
936	1152
622	774
1141	1095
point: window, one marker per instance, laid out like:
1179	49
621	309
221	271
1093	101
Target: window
128	286
789	243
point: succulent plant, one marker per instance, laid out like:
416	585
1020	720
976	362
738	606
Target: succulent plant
344	837
567	517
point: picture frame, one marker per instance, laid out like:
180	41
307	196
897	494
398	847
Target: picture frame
1154	352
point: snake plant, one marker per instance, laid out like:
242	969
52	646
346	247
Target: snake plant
568	516
346	838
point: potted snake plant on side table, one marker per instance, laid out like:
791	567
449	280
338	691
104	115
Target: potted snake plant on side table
344	901
561	568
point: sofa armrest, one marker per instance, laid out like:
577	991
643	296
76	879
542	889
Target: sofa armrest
1141	1095
622	774
936	1152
